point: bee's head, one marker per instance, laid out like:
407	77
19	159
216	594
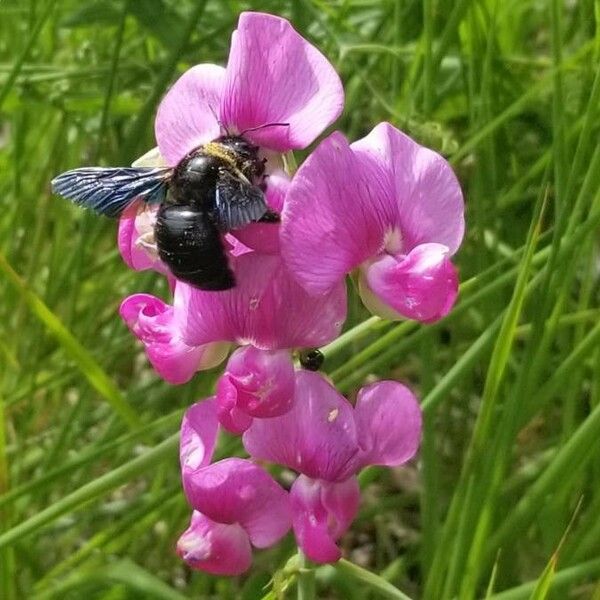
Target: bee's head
241	147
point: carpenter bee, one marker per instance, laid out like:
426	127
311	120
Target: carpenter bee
218	187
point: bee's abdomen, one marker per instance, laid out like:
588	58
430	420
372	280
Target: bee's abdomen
190	245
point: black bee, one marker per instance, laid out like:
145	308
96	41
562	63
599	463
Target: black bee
218	187
311	359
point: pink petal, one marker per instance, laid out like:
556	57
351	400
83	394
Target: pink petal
155	324
322	512
422	285
335	217
136	239
233	419
259	383
235	490
427	194
264	237
317	437
266	308
275	76
188	115
198	437
388	422
215	548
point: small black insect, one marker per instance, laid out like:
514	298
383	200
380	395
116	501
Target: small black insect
312	360
218	187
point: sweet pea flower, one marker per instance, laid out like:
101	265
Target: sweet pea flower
256	384
236	503
135	238
157	326
266	309
328	441
385	205
273	76
277	89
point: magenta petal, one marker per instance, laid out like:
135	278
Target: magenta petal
429	200
317	437
188	115
133	254
388	422
321	513
422	285
136	239
198	438
155	324
214	547
275	76
233	419
264	237
266	309
264	381
335	217
235	490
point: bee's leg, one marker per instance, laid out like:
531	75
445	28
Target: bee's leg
270	217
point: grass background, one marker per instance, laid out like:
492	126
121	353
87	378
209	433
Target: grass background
509	91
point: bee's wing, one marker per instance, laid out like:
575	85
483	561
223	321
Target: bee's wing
238	202
109	191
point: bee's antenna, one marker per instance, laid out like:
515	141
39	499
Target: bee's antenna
264	126
221	125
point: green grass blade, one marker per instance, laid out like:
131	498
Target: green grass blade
88	366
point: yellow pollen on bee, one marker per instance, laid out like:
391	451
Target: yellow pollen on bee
220	151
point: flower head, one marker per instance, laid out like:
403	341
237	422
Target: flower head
273	76
267	308
328	442
158	326
256	383
236	503
386	205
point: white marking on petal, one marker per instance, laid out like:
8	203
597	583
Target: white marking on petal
195	547
393	241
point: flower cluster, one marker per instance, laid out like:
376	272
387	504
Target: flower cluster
318	434
382	208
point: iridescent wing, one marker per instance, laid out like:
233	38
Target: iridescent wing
109	191
237	202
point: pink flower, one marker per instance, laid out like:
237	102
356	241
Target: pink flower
158	327
384	204
273	76
256	383
267	309
328	441
136	239
237	504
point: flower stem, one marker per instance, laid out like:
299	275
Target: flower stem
306	579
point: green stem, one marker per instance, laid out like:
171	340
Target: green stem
306	579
